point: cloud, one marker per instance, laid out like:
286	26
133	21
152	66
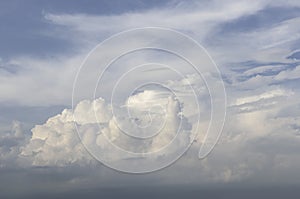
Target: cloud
85	31
241	153
264	96
291	74
260	139
10	146
190	17
37	76
56	142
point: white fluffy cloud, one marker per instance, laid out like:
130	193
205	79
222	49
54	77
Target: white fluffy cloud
56	143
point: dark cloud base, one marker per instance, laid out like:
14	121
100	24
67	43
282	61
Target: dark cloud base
174	193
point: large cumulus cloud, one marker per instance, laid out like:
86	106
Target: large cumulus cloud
56	143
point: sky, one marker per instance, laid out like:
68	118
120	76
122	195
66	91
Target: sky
201	100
